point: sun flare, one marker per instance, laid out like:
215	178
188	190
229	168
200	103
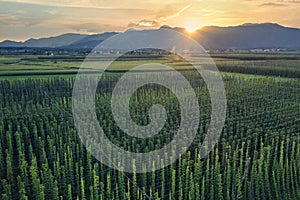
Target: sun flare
191	26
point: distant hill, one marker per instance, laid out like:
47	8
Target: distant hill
53	42
246	36
9	43
249	36
90	41
58	41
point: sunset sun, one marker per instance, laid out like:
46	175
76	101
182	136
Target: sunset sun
191	26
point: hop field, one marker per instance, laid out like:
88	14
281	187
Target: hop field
256	157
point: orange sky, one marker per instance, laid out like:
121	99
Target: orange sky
23	19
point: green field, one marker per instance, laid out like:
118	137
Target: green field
284	65
257	156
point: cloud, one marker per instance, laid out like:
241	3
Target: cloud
289	1
20	14
61	3
274	2
171	11
95	27
177	13
160	19
270	4
8	20
145	24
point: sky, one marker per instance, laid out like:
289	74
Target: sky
24	19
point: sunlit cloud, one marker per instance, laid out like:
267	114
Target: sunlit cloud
144	24
62	3
160	18
289	1
272	5
175	14
94	27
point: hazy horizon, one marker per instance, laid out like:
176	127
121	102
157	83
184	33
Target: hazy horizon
137	29
24	19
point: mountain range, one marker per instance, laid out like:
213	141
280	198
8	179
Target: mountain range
246	36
